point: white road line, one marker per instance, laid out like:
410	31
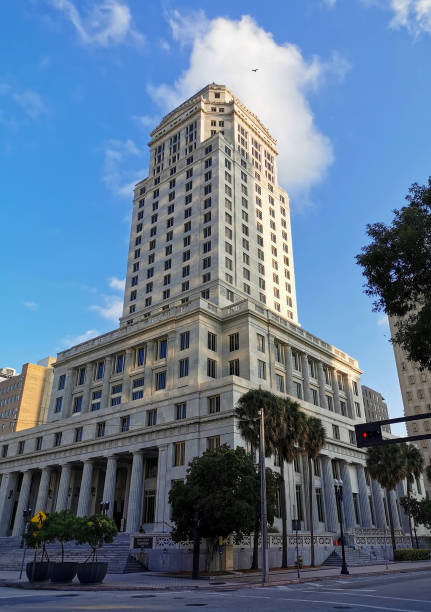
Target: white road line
18	595
386	597
348	603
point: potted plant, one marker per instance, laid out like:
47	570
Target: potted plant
62	527
94	530
36	537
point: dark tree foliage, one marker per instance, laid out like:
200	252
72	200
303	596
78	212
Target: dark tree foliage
223	487
397	266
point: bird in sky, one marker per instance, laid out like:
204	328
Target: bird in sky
254	69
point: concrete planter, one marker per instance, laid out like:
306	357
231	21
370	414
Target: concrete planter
62	572
92	573
39	572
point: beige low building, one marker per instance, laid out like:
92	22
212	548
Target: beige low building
24	398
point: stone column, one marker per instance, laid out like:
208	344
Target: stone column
63	487
128	365
348	508
331	514
363	498
335	390
135	493
148	370
67	392
104	402
172	361
86	390
322	391
18	526
85	489
109	486
289	371
161	500
306	378
349	397
379	510
7	490
42	494
401	492
395	516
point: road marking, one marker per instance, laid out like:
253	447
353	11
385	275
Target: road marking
386	597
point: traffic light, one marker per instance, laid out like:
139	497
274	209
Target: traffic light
368	434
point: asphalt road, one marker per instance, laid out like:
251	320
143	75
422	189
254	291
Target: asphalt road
410	592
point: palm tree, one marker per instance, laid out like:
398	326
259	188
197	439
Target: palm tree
414	468
387	465
314	441
288	436
247	412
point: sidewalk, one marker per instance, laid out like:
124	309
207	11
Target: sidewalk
155	581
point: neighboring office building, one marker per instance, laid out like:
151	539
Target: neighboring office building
416	393
24	398
209	313
375	407
6	373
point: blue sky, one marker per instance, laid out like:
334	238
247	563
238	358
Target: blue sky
343	85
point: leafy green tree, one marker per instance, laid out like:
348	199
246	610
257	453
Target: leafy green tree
314	441
95	530
387	465
414	467
61	527
247	412
222	487
397	267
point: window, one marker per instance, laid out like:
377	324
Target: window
343	408
183	367
234	367
78	434
328	375
330	402
206	262
211	368
296	361
315	397
179	453
140	356
81	376
355	388
356	507
61	382
160	380
184	340
340	382
260	343
319	504
180	411
57	438
21	445
152	417
316	466
352	437
58	404
212	341
119	363
100	369
95	405
214	404
234	342
213	442
207	246
261	369
279	383
297	387
162	347
186	255
77	404
100	429
39	443
311	368
335	432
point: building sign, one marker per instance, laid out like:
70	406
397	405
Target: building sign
143	542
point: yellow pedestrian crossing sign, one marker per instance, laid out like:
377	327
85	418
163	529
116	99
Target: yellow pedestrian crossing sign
39	519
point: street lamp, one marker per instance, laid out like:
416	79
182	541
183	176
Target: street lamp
26	515
338	485
104	507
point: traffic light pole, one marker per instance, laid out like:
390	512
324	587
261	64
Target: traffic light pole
370	434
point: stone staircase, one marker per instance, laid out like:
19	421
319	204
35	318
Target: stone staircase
355	557
116	554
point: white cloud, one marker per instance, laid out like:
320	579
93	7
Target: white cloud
30	305
69	341
112	308
224	51
28	100
330	3
120	180
147	121
117	283
107	23
414	15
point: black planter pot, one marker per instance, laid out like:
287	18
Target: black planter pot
62	572
92	573
40	572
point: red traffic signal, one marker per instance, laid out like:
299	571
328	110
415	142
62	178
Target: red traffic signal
368	434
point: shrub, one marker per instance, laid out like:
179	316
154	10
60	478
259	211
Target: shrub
95	530
412	554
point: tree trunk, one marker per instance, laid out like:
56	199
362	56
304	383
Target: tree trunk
391	521
410	516
255	559
283	515
310	513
